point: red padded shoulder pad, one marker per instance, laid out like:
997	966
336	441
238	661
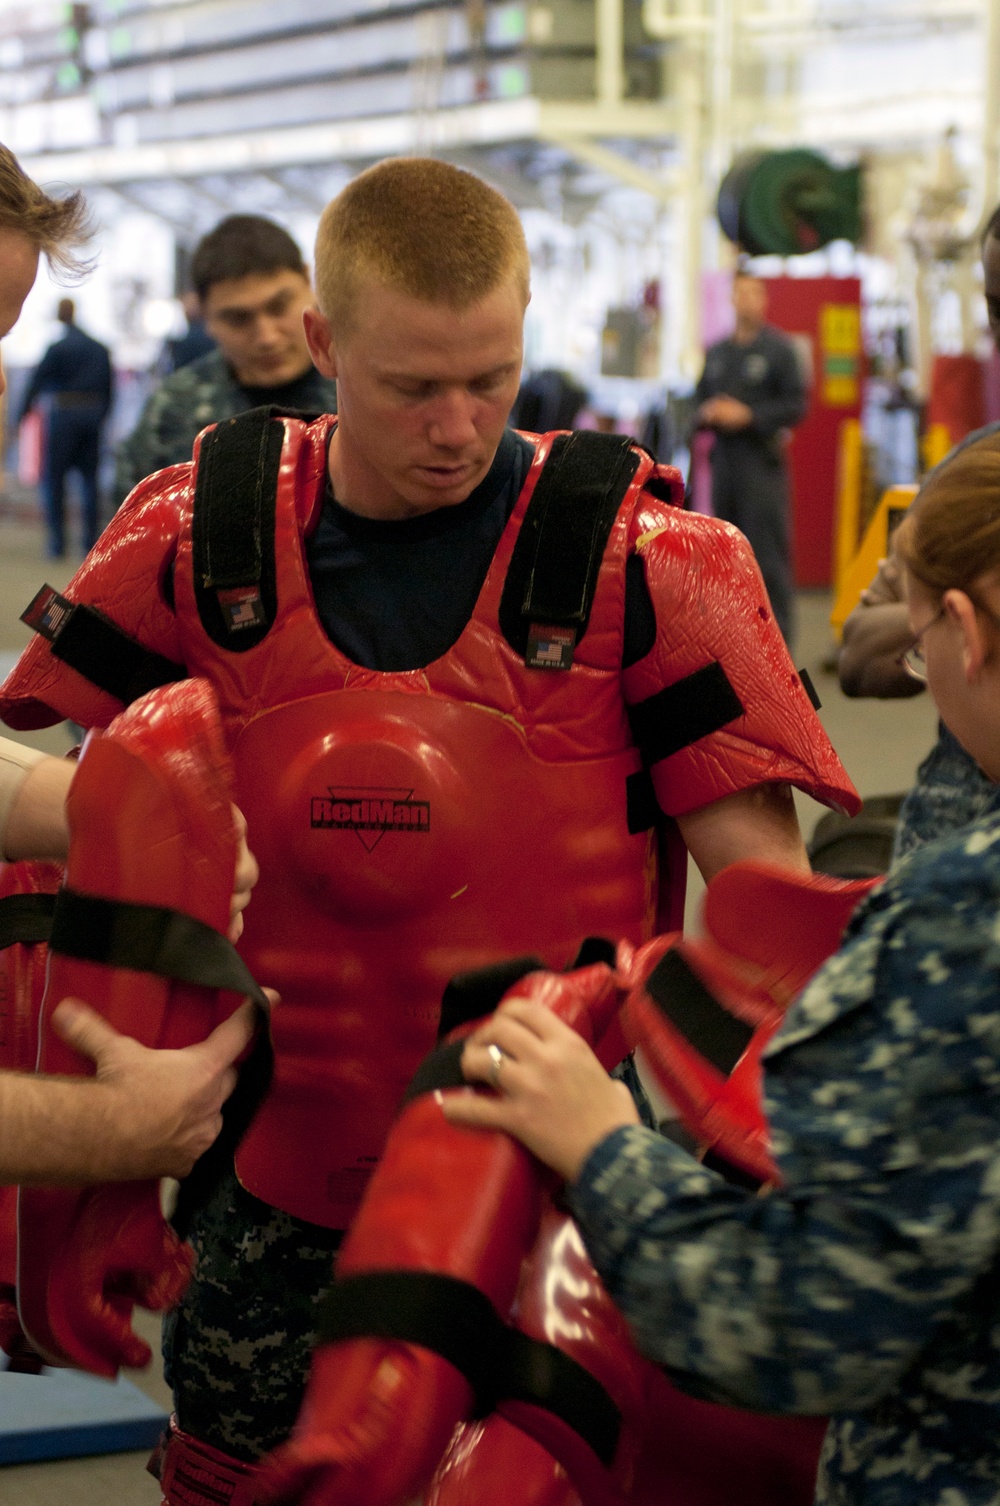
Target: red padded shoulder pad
712	610
122	577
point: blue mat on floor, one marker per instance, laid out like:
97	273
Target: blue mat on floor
63	1414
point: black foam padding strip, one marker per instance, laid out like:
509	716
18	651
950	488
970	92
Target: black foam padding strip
594	949
471	995
234	518
25	919
441	1069
109	658
553	570
683	1000
680	714
810	689
642	809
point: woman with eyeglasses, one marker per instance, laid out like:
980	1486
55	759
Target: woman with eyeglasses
867	1286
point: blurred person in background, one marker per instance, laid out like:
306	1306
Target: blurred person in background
751	394
253	287
195	341
73	382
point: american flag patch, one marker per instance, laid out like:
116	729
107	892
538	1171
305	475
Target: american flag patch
550	647
242	608
47	613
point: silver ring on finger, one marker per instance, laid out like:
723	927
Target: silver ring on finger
497	1059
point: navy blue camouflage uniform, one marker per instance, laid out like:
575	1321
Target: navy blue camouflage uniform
867	1286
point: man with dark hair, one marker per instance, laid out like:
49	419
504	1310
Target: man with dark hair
750	393
253	286
74	381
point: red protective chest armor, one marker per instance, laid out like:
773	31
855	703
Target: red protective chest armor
408	826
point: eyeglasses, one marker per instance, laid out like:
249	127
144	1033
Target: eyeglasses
912	659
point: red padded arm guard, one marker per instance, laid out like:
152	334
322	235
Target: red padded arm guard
704	1009
445	1202
151	824
122	577
712	610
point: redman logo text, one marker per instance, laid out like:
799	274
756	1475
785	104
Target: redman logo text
370	812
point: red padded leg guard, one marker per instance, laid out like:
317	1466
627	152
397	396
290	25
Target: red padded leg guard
193	1473
150	824
704	1009
449	1203
24	887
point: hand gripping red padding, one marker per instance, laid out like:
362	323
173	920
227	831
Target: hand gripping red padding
704	1009
447	1219
151	824
27	893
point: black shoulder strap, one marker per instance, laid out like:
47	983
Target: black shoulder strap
98	648
233	528
552	577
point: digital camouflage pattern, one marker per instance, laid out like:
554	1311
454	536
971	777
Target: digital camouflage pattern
866	1287
236	1351
951	791
203	392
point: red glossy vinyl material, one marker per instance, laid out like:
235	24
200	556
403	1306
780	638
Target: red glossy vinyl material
378	1415
494	1463
150	823
22	984
768	931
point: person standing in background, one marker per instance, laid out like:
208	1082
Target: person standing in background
74	377
750	394
252	286
195	341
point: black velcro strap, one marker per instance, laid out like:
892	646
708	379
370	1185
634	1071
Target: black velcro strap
680	714
682	998
734	1175
454	1319
471	995
553	571
25	918
233	524
593	949
450	1317
642	809
441	1069
810	689
547	1377
98	648
149	939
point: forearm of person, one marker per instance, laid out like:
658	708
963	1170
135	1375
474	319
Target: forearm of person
800	1302
759	822
874	639
57	1130
33	804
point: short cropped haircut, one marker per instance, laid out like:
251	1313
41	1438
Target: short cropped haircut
431	230
59	227
243	245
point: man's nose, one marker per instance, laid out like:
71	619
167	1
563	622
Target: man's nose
452	423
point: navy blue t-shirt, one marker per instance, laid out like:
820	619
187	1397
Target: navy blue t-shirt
396	595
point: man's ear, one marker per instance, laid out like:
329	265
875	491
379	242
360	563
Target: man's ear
319	338
962	613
